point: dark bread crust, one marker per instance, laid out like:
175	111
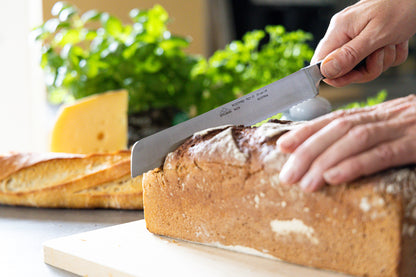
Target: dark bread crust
211	191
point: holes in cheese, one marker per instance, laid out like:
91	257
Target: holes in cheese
97	123
100	136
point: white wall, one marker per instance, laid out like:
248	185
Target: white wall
22	93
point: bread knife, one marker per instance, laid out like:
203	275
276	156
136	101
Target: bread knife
150	152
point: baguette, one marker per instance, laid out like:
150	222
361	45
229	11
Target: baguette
60	180
221	188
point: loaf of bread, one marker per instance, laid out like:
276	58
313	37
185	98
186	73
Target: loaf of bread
59	180
221	188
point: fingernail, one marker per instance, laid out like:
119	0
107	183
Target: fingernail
331	68
286	175
311	182
332	175
284	145
307	183
380	58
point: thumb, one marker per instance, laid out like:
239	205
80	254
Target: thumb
344	59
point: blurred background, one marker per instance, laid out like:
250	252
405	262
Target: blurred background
25	116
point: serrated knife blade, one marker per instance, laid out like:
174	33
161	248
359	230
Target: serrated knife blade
149	152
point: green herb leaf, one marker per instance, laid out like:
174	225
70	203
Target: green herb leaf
113	26
91	16
370	101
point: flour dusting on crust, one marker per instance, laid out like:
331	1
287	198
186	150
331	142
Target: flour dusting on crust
207	131
271	129
293	226
221	148
403	182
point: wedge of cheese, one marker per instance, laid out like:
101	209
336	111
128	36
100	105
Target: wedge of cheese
97	123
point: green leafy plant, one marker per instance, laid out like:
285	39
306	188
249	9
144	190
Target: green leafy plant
81	59
246	65
380	97
85	54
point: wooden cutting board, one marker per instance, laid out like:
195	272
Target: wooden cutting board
130	250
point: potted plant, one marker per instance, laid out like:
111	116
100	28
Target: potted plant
93	52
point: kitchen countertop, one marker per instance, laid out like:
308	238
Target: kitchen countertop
24	230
